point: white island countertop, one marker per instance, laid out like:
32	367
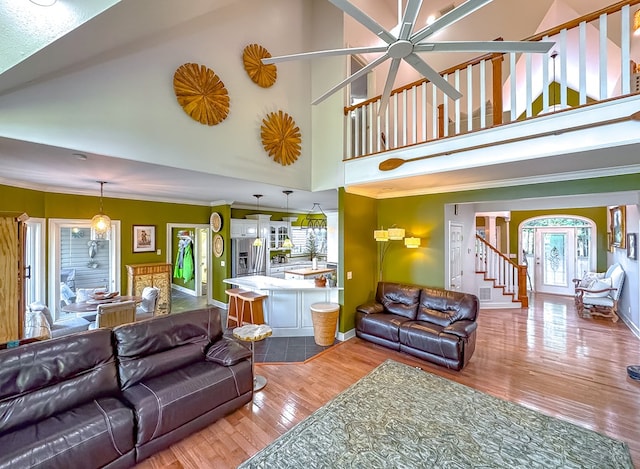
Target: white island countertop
287	302
262	282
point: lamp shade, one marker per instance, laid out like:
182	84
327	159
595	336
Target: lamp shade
412	242
381	235
257	242
396	233
101	224
287	244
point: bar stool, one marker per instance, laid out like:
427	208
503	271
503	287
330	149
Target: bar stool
235	312
252	302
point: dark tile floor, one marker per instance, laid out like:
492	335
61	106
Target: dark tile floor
286	349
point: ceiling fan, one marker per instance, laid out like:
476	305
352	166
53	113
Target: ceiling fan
407	43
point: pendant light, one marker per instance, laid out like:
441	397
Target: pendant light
287	244
101	223
258	241
316	219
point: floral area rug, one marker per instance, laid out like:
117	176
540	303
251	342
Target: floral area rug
402	417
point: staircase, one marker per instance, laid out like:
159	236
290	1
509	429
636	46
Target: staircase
501	281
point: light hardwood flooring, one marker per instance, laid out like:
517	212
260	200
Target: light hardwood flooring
545	358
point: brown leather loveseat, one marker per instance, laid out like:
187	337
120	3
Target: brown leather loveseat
110	398
430	323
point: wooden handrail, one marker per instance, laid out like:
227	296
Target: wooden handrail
520	269
492	56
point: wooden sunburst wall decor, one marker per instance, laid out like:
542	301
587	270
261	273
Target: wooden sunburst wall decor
281	137
261	74
201	93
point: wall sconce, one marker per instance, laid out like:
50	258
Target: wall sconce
412	242
636	23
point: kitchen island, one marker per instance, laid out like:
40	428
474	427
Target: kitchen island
307	273
287	307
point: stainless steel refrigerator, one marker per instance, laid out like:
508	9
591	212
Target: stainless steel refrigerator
248	259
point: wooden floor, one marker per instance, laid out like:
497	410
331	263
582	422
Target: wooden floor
545	358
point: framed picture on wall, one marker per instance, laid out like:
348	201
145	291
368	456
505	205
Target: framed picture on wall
632	243
144	238
618	228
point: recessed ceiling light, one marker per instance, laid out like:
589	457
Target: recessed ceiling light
43	3
79	156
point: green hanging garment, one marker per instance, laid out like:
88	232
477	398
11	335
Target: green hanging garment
187	263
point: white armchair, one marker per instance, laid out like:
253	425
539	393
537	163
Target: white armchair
597	294
147	308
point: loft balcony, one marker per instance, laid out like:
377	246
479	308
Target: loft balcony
520	116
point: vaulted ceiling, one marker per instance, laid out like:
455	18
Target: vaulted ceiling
52	50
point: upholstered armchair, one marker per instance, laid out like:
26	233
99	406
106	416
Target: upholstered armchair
149	303
114	314
598	293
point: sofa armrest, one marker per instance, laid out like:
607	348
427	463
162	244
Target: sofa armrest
227	352
370	308
462	328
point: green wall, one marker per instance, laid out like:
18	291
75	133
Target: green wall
38	204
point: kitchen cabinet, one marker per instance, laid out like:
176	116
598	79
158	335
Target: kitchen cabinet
151	275
278	232
241	228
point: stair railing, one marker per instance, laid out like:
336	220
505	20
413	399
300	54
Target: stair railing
502	88
504	273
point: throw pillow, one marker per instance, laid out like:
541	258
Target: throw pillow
588	280
227	352
600	284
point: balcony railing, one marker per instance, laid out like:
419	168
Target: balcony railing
590	62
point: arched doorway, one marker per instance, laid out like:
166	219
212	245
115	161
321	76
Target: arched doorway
556	250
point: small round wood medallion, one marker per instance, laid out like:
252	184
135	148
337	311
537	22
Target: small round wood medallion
261	74
281	137
201	93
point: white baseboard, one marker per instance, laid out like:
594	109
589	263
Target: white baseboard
184	290
496	305
342	336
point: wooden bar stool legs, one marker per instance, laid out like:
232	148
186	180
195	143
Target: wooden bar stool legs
250	304
235	311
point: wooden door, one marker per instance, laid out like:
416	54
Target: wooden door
12	295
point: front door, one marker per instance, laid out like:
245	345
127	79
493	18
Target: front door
555	260
455	257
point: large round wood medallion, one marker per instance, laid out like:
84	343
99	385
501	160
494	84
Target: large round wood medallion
201	93
261	74
281	137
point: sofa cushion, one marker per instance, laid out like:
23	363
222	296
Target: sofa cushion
398	298
55	375
165	343
383	325
227	352
102	430
166	402
444	307
429	337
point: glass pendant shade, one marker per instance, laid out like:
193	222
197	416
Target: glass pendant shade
257	242
287	244
101	223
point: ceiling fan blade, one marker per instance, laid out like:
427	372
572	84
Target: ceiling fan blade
433	76
365	20
324	53
409	18
388	86
484	46
454	15
355	76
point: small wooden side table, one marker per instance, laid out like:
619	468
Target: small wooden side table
253	333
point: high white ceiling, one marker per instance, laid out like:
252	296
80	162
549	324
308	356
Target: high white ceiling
34	48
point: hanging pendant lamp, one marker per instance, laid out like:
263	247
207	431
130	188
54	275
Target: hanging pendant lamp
287	244
101	223
258	241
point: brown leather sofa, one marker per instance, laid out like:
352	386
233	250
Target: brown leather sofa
430	323
110	398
